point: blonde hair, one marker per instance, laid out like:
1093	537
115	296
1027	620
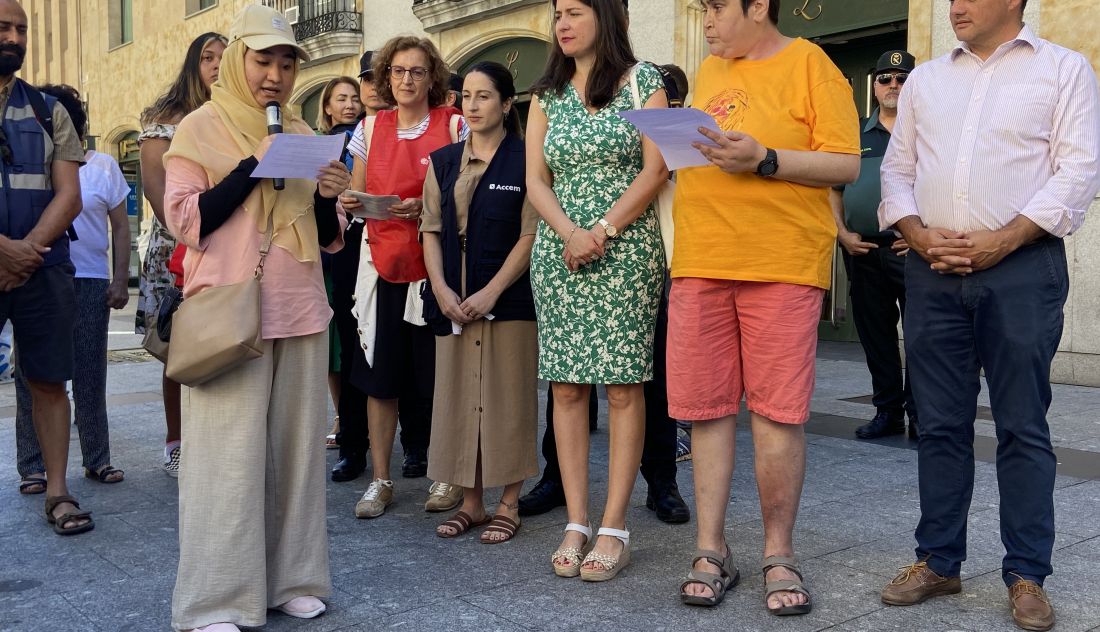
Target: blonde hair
324	121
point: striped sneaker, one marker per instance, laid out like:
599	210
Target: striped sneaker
172	463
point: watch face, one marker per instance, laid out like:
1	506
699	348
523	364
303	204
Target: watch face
768	169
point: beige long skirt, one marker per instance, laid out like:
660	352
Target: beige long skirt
486	393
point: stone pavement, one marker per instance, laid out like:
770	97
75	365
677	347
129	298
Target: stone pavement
855	528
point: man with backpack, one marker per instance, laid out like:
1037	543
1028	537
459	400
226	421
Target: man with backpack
39	199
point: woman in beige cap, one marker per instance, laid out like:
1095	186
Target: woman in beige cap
251	485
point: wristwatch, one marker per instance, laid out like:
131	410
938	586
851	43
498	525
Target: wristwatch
769	165
609	228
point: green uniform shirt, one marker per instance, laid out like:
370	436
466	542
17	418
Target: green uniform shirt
862	197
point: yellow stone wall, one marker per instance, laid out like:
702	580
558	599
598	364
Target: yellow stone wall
456	44
119	83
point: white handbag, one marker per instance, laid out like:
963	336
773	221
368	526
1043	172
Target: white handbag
662	203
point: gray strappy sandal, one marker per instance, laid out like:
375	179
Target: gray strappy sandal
785	585
718	583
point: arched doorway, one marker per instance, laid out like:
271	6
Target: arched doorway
311	105
524	56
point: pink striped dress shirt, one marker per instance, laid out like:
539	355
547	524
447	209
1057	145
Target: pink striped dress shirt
977	143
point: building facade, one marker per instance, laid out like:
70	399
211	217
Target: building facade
122	53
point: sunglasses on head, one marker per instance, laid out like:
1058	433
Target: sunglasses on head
886	77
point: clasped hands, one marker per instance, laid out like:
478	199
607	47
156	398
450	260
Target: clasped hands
19	259
956	252
584	247
476	306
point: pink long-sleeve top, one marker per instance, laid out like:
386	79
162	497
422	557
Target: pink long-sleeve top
292	293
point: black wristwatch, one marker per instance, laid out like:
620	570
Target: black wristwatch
769	165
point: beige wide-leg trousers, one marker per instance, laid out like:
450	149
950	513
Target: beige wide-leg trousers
252	488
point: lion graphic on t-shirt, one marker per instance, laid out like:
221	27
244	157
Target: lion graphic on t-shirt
728	108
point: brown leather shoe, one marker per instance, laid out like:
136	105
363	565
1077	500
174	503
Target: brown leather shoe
1031	610
917	583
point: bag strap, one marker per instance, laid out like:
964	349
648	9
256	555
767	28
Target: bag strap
269	236
635	93
455	122
41	111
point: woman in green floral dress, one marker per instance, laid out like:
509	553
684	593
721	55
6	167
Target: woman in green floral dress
597	264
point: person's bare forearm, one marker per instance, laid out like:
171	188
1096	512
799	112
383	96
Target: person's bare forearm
817	168
120	242
62	209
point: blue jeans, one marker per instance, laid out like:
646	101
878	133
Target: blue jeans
1008	321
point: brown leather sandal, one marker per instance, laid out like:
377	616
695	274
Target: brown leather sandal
69	516
33	484
461	522
500	524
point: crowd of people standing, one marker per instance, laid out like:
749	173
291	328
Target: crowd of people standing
518	255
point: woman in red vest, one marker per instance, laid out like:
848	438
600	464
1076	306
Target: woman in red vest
398	361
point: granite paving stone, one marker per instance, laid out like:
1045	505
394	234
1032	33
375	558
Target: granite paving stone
855	528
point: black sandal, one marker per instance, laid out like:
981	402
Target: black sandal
726	578
69	516
29	484
103	475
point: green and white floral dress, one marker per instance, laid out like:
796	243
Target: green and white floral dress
596	325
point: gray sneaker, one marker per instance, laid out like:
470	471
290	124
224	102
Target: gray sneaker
374	502
172	463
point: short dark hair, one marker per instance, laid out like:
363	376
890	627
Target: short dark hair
773	9
1023	5
69	98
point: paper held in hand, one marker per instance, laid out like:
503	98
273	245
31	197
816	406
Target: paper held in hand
673	130
374	206
299	156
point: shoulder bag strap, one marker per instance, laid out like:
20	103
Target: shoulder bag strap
269	236
634	91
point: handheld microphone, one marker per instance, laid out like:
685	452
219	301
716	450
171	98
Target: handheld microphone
275	126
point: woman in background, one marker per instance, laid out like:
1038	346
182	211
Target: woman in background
189	91
340	110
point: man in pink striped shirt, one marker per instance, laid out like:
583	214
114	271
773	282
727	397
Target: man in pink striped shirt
995	157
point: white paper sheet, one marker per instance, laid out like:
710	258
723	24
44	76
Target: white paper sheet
374	206
456	328
673	130
299	156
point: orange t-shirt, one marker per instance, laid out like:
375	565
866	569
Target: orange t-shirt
745	227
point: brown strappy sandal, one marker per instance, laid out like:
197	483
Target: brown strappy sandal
500	524
69	516
720	582
785	585
461	522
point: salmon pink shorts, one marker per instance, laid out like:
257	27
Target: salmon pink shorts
728	339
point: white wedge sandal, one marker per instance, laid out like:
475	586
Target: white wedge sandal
571	553
611	564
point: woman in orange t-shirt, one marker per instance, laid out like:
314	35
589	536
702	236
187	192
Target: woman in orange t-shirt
754	243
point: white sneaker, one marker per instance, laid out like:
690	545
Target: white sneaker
172	462
306	607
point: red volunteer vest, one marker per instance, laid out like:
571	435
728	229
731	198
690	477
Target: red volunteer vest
398	167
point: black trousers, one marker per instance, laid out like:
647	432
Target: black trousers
659	452
353	436
877	289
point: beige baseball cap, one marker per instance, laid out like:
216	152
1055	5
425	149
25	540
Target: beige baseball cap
261	27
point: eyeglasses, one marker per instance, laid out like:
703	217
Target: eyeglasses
885	78
5	148
417	73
